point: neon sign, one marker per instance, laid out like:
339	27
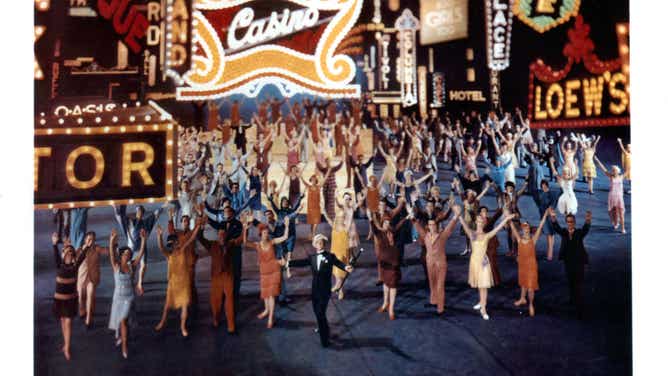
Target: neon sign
499	27
600	97
543	15
407	25
255	49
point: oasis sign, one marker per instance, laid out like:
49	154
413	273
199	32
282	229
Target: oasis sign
103	165
586	92
239	46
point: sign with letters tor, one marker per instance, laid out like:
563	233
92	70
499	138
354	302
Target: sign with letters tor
90	166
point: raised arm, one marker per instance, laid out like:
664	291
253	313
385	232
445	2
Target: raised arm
161	246
554	170
514	232
447	231
112	249
469	232
553	221
282	238
536	236
56	251
194	232
418	226
484	191
602	166
523	188
142	248
498	228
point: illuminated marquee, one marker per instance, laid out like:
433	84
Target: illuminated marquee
239	46
406	26
499	27
104	165
600	97
543	15
438	82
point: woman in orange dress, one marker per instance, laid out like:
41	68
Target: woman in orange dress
313	213
270	267
527	266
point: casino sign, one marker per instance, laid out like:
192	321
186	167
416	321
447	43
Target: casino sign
242	45
586	92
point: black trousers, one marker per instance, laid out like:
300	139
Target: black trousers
575	276
320	302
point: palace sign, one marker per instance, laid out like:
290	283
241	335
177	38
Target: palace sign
239	46
499	27
597	96
92	166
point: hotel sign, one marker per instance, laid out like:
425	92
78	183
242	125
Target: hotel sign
239	46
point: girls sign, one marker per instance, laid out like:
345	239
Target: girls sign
241	46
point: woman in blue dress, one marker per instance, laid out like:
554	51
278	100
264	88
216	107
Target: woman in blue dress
546	198
122	302
535	173
255	197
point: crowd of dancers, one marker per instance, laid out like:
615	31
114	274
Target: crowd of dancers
227	204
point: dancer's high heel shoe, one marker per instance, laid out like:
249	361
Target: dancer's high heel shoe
484	315
477	307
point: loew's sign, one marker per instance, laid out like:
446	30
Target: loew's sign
586	92
90	166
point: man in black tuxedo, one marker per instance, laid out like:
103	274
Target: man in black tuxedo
574	255
321	264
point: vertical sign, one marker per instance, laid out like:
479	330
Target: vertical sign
495	88
384	53
406	26
438	83
422	84
499	27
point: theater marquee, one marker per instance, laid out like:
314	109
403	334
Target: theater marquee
95	165
241	46
586	92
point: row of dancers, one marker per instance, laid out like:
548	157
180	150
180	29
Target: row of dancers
225	204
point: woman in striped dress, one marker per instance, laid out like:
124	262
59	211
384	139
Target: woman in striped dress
329	186
65	298
121	305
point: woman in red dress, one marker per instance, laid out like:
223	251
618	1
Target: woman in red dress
527	266
388	255
313	206
270	267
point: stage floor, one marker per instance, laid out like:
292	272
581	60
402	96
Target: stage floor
365	342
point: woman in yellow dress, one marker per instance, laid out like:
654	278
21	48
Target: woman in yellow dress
179	263
480	271
340	247
588	166
626	160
